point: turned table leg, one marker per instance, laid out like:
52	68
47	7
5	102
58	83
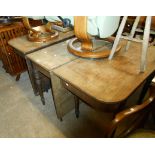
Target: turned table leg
39	86
76	99
31	76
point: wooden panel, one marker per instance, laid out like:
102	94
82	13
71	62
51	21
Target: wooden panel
63	99
90	100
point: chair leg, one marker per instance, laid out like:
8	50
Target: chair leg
132	32
118	36
76	99
145	43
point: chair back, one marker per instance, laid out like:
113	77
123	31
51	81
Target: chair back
130	119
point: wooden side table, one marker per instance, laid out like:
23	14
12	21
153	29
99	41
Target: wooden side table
23	47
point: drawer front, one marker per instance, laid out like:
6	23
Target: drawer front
94	103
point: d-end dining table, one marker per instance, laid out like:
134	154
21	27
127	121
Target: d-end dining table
106	84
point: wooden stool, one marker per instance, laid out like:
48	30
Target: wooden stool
130	38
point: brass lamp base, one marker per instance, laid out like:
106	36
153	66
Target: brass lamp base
99	52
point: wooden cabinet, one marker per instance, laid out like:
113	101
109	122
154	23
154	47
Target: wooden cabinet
12	63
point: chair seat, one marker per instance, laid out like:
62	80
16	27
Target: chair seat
142	133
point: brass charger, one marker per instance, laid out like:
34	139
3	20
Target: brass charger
41	33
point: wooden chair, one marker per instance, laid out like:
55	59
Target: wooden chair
126	121
130	118
87	49
142	133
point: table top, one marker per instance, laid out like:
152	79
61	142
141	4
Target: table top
108	81
52	56
24	46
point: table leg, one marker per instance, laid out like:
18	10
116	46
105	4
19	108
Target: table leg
31	76
76	99
39	86
63	99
